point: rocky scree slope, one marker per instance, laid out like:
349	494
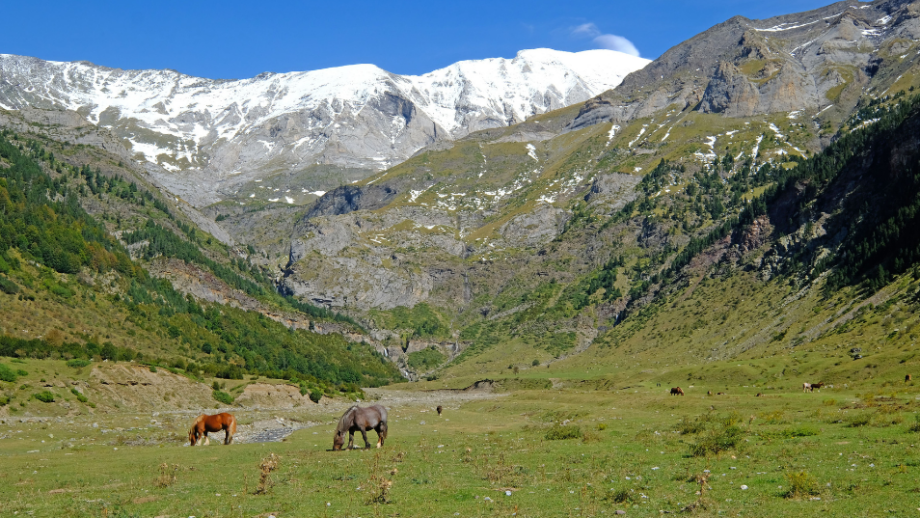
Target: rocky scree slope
818	61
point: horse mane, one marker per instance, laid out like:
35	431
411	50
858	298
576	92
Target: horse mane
347	419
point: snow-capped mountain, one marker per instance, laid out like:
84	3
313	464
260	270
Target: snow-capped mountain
358	116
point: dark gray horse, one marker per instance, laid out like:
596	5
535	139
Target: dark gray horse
357	419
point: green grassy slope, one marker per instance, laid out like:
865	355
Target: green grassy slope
70	290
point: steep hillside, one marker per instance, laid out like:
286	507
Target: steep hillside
819	270
458	227
71	290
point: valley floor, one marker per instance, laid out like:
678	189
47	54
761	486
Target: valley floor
556	452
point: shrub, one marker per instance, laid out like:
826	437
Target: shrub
222	397
718	441
621	495
153	368
315	395
857	420
77	363
7	374
915	426
9	287
80	397
801	484
558	433
21	372
535	363
687	426
4	400
44	396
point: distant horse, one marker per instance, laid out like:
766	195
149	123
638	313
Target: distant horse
212	423
907	378
677	391
708	392
760	394
810	387
440	409
357	419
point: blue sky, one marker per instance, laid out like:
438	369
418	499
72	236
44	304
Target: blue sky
236	39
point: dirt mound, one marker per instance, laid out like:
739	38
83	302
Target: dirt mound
266	395
134	386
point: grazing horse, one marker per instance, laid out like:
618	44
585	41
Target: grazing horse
810	387
759	394
708	392
440	409
677	391
212	423
907	378
357	419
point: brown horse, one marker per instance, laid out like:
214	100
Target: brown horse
357	419
440	409
212	423
907	378
677	391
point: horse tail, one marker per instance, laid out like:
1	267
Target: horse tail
232	426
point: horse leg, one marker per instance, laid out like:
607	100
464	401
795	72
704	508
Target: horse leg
381	434
351	440
367	445
227	436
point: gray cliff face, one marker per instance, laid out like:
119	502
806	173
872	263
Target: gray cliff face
743	68
350	198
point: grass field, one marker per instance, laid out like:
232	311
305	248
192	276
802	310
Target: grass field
839	452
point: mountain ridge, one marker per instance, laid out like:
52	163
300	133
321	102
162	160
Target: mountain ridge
227	132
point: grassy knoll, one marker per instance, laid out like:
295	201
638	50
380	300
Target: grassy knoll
841	451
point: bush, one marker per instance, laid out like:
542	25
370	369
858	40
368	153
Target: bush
315	395
80	397
77	363
7	286
21	372
558	433
222	397
7	374
857	420
153	368
4	400
535	363
44	396
718	441
915	426
801	484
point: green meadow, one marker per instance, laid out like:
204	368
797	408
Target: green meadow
559	452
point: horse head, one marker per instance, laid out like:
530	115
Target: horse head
339	440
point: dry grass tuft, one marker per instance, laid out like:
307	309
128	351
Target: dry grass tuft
266	467
167	475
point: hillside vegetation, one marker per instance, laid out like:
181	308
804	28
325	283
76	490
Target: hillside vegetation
71	290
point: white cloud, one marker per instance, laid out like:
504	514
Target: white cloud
614	42
586	30
604	41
